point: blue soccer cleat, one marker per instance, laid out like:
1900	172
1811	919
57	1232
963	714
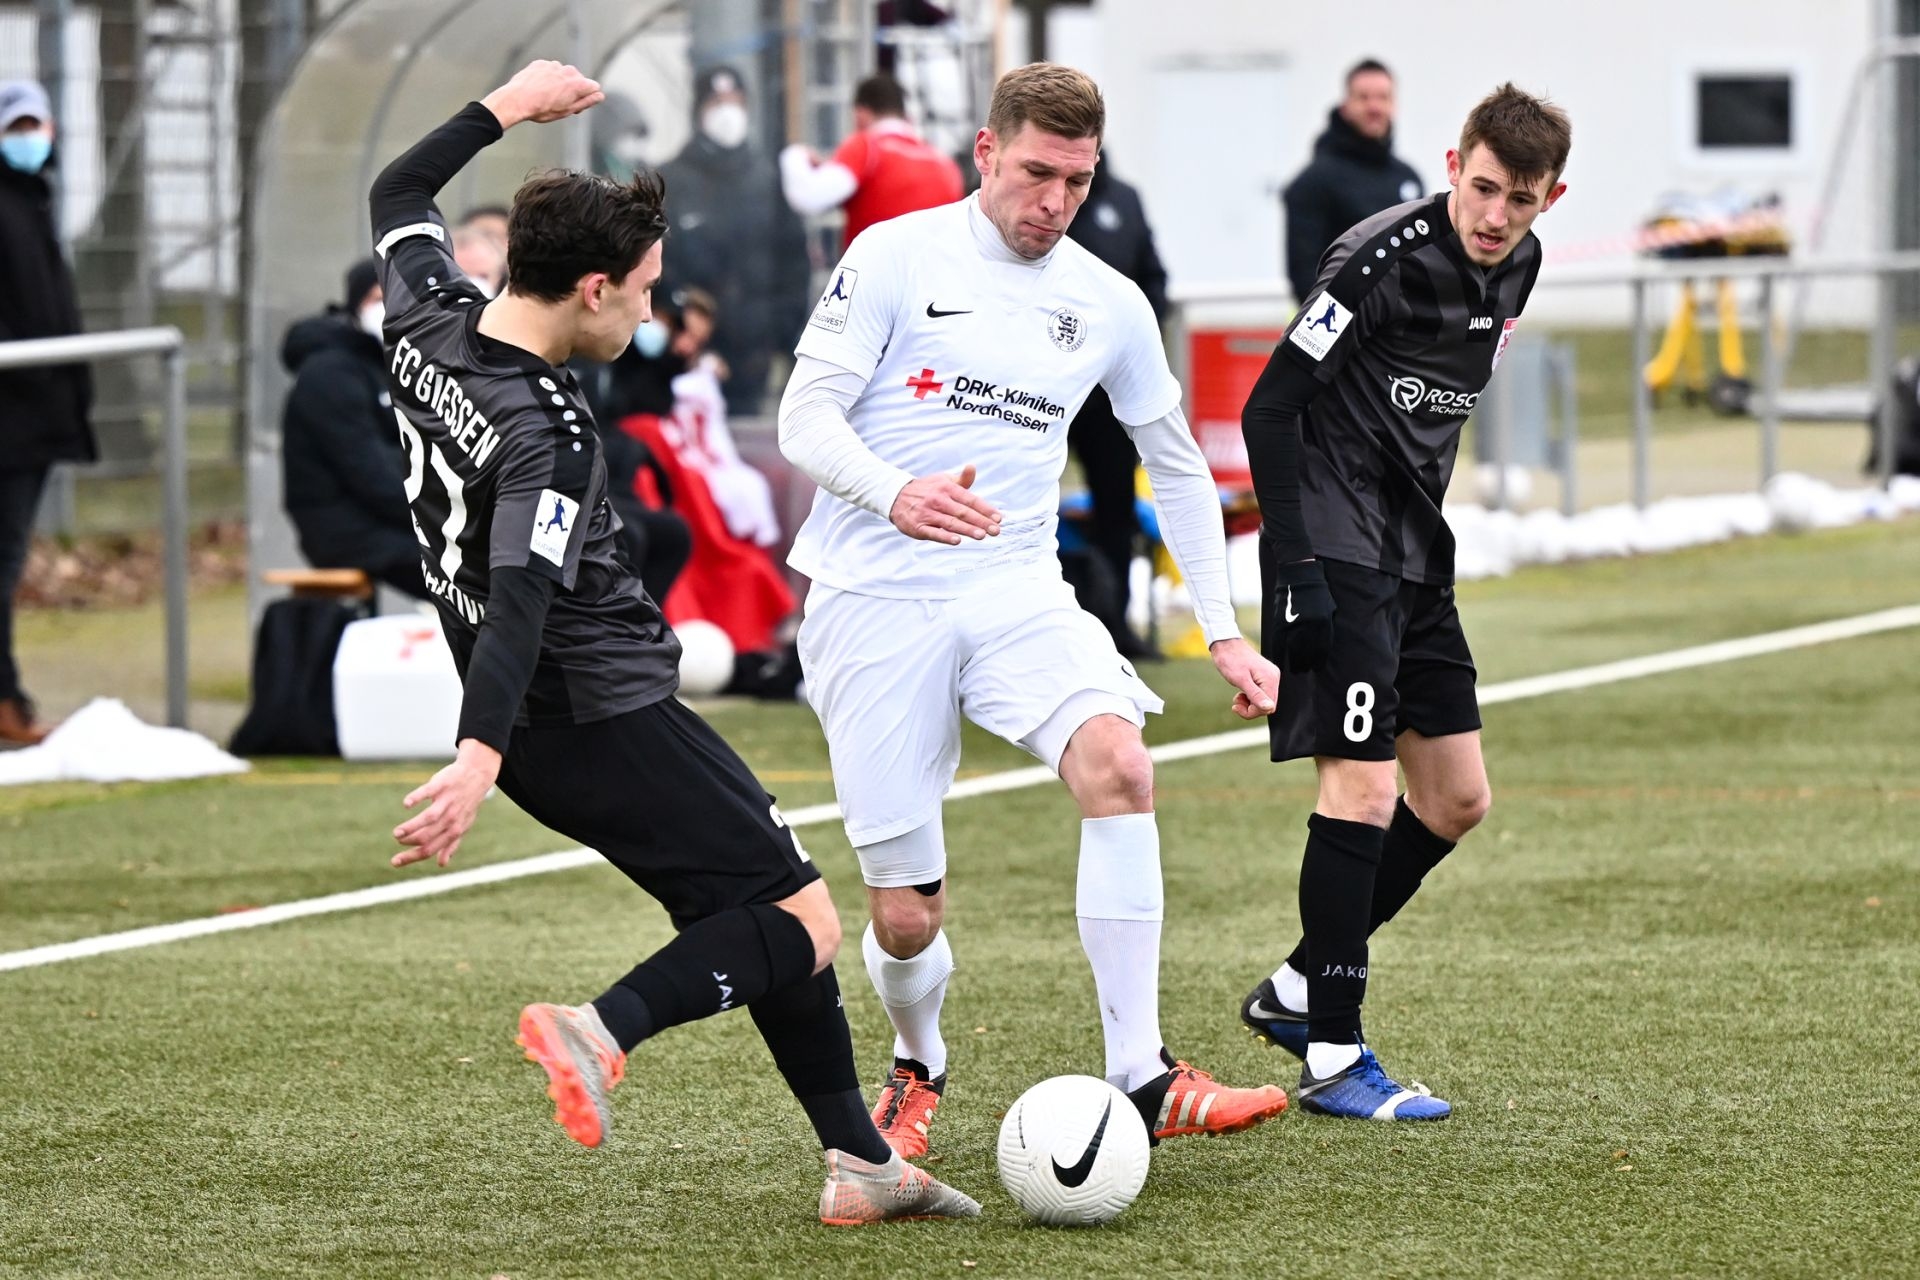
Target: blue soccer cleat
1272	1022
1364	1091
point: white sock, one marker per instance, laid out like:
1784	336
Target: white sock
1119	902
1325	1058
1291	987
913	990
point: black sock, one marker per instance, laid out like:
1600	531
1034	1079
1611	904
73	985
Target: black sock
718	963
1336	895
1408	854
626	1016
805	1028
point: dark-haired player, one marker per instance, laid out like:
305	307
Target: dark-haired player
1352	431
567	667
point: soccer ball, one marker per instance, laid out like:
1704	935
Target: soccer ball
1073	1151
706	658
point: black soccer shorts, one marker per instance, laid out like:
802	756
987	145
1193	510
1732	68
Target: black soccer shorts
661	796
1399	661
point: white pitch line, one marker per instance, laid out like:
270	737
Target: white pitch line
1007	780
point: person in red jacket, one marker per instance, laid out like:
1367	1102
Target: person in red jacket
881	171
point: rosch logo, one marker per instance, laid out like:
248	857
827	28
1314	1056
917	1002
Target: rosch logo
1415	396
1408	393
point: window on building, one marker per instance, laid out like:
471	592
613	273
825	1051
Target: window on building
1743	111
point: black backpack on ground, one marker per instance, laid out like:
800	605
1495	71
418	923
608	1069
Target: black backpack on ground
292	711
1906	423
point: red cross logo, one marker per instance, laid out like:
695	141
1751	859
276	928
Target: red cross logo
923	384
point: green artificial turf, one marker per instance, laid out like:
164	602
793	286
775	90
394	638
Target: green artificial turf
1670	988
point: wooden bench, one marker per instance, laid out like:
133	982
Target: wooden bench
324	584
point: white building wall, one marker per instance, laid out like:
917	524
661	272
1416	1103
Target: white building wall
1623	71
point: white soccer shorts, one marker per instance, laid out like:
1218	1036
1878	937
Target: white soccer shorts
890	680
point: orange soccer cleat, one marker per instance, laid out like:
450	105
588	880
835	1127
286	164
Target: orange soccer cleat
905	1109
1187	1100
582	1063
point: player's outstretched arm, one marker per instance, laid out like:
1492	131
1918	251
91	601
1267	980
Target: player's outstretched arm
1189	503
541	91
816	437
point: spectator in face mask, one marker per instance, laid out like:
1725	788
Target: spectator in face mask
344	467
734	237
43	412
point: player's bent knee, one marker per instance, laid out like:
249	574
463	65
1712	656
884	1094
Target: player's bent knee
826	935
813	908
1358	791
905	922
1451	814
1467	812
1133	777
1108	769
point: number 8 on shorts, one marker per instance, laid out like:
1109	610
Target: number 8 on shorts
1359	721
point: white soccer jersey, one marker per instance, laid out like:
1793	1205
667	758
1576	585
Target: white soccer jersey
971	355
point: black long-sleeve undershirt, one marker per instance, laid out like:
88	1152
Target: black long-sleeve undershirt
1270	422
405	189
504	654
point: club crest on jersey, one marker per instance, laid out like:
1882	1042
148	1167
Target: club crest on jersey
1506	336
1322	321
553	525
1067	329
837	301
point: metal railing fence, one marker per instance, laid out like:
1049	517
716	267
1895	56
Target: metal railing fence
1640	280
169	344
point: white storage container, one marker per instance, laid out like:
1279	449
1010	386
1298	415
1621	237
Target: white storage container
396	694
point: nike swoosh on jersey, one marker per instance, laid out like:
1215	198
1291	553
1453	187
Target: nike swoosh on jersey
933	313
1073	1177
1291	616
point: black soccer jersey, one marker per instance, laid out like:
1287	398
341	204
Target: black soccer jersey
1401	335
504	469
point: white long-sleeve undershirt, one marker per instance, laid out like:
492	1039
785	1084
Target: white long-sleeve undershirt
816	436
1190	523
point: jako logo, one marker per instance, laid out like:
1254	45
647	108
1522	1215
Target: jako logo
1479	322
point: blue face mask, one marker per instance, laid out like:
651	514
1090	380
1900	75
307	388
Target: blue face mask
26	152
651	338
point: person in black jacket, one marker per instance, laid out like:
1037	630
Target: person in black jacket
343	465
1112	225
735	237
43	411
1352	176
640	380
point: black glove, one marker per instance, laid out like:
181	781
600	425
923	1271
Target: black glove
1297	627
